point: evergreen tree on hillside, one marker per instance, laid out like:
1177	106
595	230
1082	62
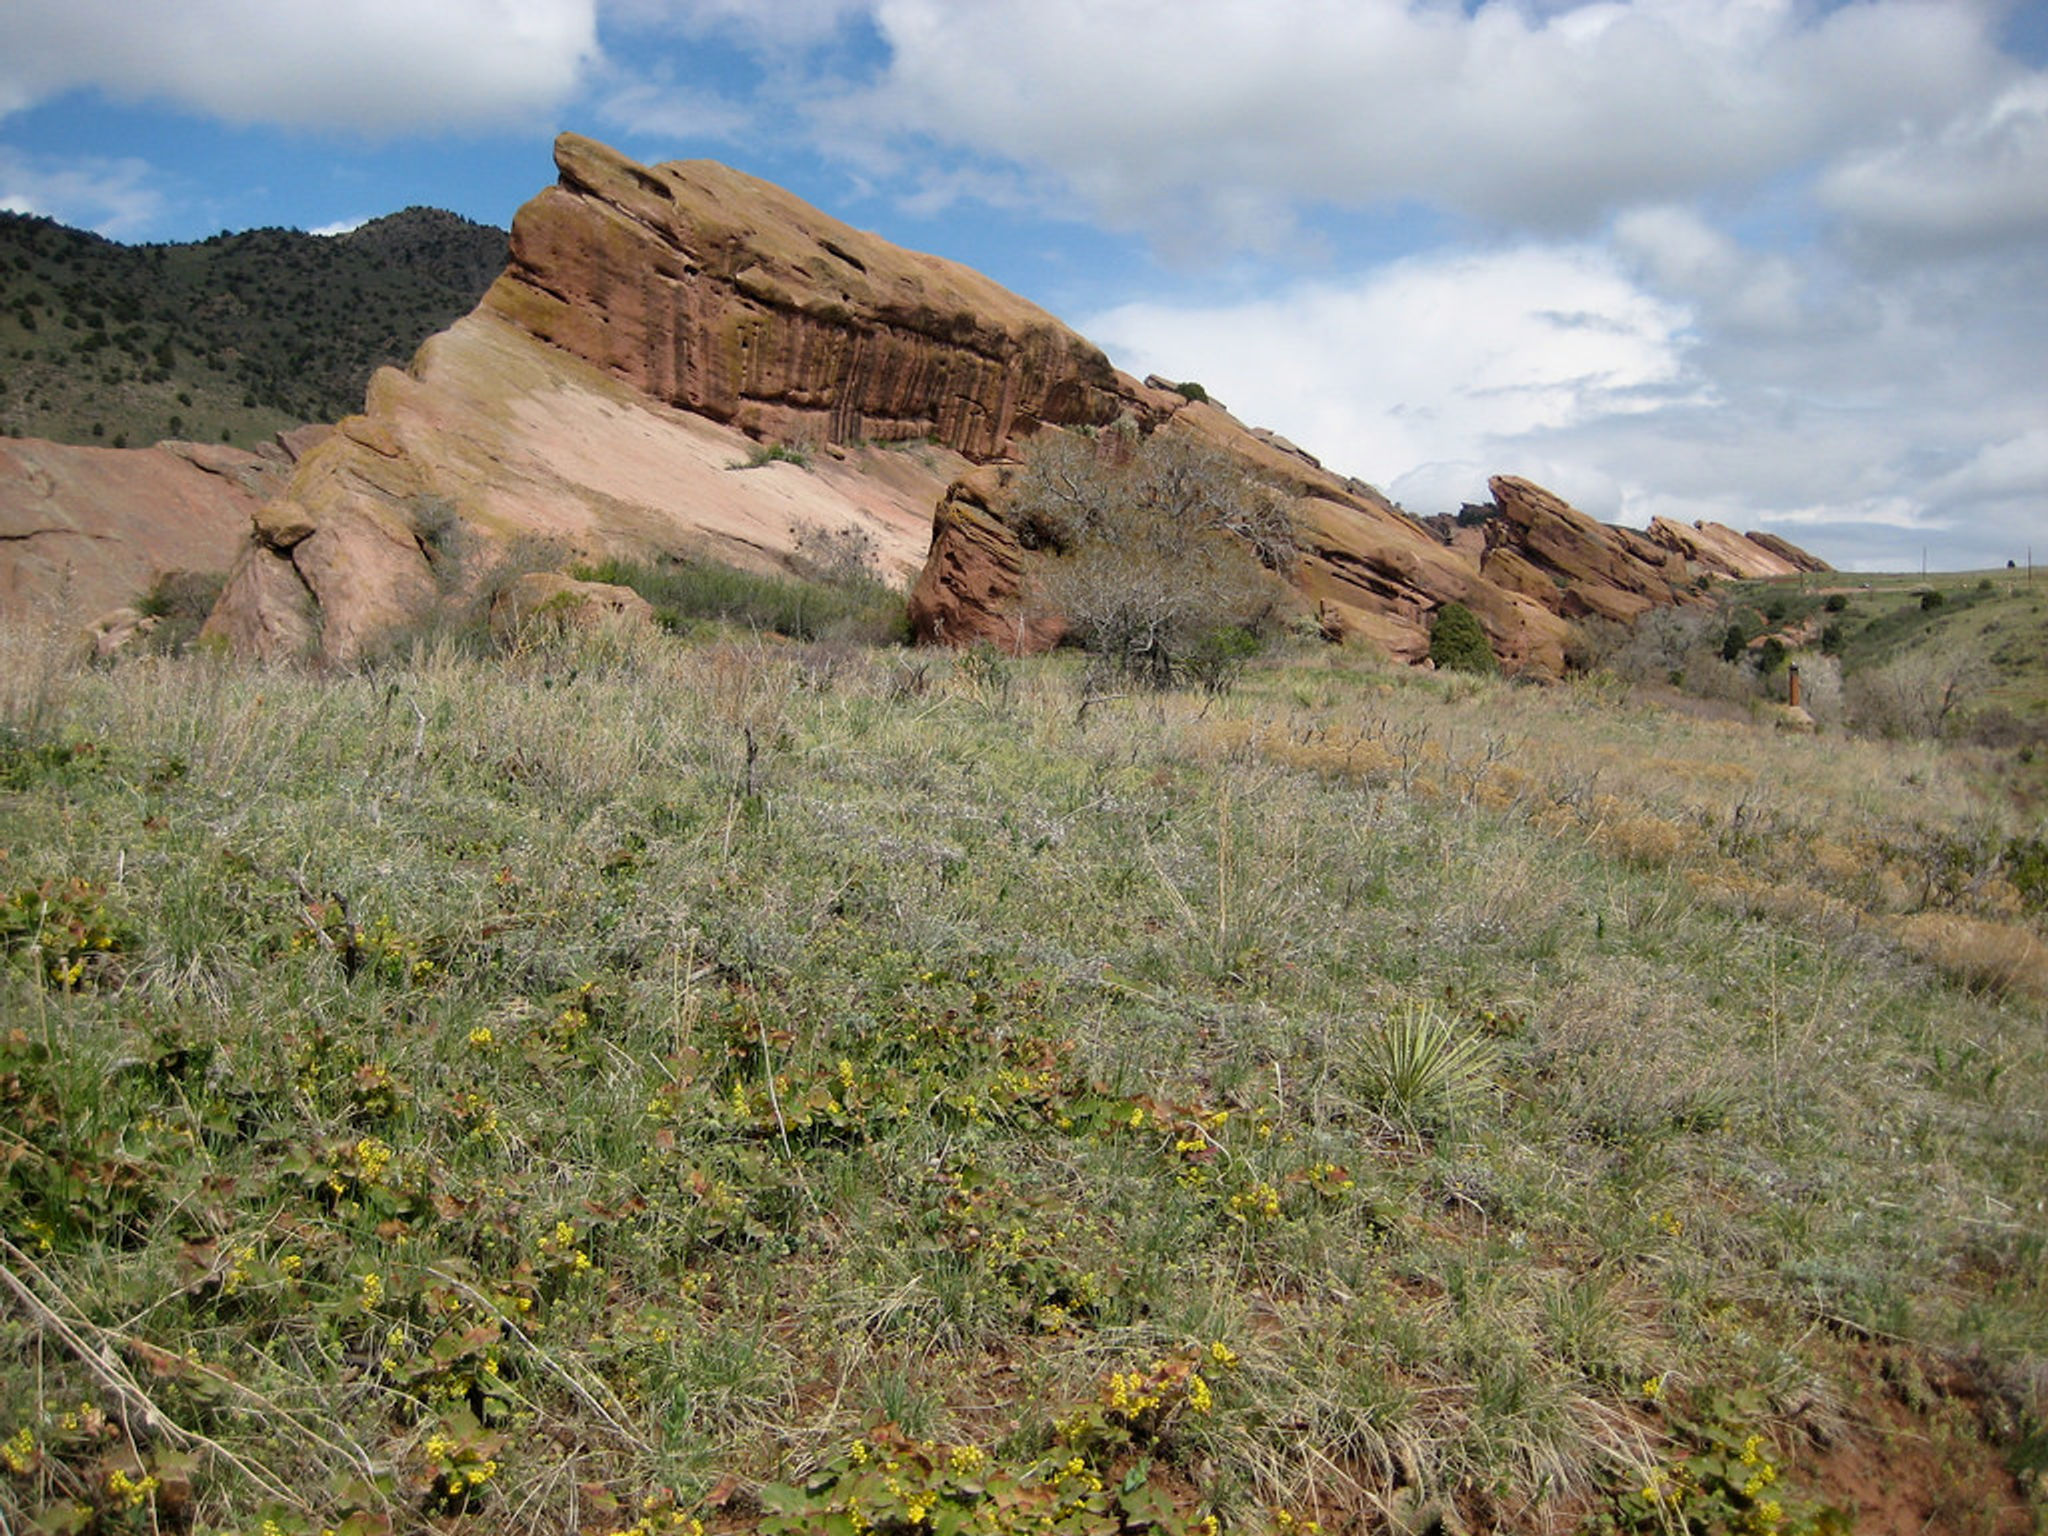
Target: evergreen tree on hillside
1458	643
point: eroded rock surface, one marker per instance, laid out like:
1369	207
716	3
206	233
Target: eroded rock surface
717	293
87	530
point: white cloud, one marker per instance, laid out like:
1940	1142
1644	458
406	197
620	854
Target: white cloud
338	227
1427	362
1977	178
663	110
114	198
1184	112
1680	253
380	67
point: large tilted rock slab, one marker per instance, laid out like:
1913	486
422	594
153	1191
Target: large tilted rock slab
652	322
1603	572
1789	552
721	294
495	452
1720	551
655	321
85	530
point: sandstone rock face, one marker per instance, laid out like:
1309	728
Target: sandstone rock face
87	530
1597	570
720	294
972	584
1786	550
496	452
1720	551
655	319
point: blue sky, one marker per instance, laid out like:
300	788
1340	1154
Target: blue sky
1778	263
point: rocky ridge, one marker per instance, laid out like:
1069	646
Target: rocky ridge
655	323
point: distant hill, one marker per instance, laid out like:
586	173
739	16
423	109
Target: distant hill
228	339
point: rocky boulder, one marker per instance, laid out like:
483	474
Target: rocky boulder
547	602
972	586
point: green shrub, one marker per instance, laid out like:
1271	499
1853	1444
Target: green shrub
775	453
683	591
1458	643
1166	553
1423	1073
180	602
1931	600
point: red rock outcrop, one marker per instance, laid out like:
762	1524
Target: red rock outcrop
1720	551
1604	572
87	530
720	294
598	399
972	584
1789	552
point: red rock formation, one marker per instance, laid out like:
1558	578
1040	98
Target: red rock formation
85	530
721	294
1599	571
1719	550
972	584
1786	550
593	402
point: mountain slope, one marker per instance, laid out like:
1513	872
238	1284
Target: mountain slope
228	339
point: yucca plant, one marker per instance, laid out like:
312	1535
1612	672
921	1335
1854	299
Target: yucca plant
1422	1073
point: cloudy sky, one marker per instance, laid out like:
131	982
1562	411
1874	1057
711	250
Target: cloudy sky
1779	263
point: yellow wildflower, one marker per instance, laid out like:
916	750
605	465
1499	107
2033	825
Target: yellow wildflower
20	1451
131	1491
966	1460
372	1157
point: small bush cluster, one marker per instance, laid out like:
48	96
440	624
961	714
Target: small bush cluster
841	600
1168	553
1458	643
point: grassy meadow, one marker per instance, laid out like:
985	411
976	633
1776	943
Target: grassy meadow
646	1084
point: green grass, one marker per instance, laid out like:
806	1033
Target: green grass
497	1094
707	592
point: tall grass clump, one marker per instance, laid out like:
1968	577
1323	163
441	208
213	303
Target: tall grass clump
851	605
